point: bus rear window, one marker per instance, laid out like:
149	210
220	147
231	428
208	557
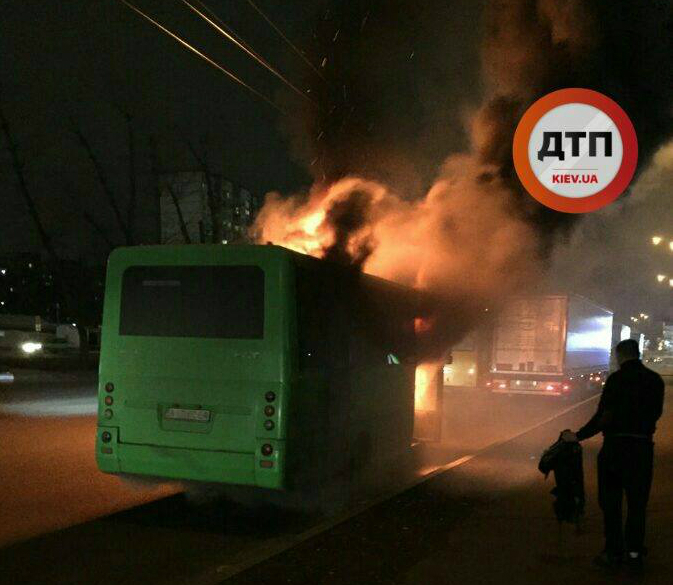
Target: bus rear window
193	301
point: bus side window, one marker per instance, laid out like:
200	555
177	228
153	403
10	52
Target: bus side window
383	332
311	333
323	318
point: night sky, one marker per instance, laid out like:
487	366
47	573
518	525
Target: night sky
89	60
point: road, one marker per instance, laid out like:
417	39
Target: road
59	508
488	520
49	475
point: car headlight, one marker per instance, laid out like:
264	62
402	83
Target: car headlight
31	347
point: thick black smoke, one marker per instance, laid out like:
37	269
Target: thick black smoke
348	216
411	147
532	47
394	98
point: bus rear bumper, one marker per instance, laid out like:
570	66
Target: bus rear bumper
197	465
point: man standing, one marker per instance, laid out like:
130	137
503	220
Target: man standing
630	405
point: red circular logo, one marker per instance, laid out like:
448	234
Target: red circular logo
575	150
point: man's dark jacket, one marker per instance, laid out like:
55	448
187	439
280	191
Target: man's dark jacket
631	403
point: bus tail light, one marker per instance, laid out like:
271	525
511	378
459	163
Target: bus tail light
267	449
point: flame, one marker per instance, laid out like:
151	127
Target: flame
422	325
425	397
460	238
467	240
303	224
311	223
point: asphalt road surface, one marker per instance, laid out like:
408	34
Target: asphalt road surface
486	520
61	521
48	475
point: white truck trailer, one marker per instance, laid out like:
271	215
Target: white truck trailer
552	345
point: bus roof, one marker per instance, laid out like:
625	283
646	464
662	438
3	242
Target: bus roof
200	253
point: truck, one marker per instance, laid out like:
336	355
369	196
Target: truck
552	345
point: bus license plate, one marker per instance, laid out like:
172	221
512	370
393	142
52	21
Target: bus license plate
187	414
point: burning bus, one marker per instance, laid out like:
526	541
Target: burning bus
256	366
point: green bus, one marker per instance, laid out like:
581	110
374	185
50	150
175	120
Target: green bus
252	366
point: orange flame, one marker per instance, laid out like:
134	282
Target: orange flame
302	223
425	397
422	325
461	237
456	242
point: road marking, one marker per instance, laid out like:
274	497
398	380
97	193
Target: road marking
227	571
466	458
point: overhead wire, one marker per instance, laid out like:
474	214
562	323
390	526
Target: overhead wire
288	41
203	56
231	36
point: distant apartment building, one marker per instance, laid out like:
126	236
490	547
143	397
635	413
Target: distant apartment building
28	286
185	212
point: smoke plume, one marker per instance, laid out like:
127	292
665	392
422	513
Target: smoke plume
465	231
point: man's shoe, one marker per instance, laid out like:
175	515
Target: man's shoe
634	562
607	560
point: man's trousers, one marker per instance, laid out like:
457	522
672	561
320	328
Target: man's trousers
624	467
